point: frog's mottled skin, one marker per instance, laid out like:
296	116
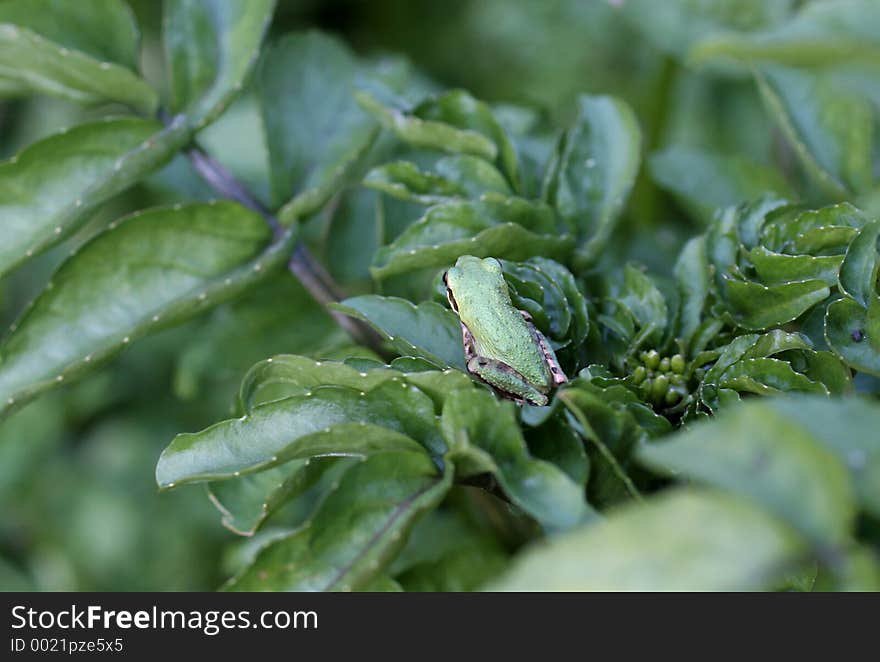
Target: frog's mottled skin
502	347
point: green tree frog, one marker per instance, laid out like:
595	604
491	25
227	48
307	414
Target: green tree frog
502	347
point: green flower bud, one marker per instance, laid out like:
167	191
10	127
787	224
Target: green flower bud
651	359
664	364
672	397
659	388
639	375
677	363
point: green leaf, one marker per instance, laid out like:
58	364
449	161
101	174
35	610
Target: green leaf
766	376
103	29
483	436
778	268
646	303
446	552
830	130
847	427
331	420
356	533
428	134
822	34
557	443
404	180
50	189
674	25
858	273
754	451
756	306
349	242
144	273
693	280
82	51
686	540
248	501
849	334
210	47
286	375
613	421
459	109
459	176
549	292
428	330
593	170
501	227
233	337
705	181
318	132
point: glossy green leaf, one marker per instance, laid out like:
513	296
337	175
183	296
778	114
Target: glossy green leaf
766	376
246	502
103	29
557	443
827	230
756	452
483	436
331	420
827	368
232	338
849	335
142	274
318	131
459	176
830	130
778	268
50	188
428	330
349	241
459	109
772	343
593	170
847	427
693	280
210	47
404	180
82	51
645	302
858	273
687	540
575	300
705	181
821	34
756	306
549	292
286	375
613	421
428	134
501	227
674	25
446	552
356	533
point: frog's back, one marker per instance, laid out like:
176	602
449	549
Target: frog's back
501	332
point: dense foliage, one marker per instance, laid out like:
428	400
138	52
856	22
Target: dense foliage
245	230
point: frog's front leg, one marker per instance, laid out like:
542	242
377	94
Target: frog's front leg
507	381
558	375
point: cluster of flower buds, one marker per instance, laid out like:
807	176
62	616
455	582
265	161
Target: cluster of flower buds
661	380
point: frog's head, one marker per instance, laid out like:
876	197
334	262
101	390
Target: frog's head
470	272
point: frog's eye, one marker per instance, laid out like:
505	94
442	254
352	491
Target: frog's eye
449	292
491	264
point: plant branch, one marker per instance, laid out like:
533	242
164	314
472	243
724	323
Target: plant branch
302	263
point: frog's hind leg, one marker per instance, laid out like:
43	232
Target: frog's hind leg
468	342
505	380
558	375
